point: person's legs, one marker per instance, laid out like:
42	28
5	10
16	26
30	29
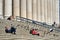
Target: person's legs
13	30
30	31
38	34
6	31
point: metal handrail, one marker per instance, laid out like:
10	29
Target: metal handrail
39	23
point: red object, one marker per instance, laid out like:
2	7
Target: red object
34	32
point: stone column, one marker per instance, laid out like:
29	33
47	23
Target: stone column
8	8
16	8
43	20
54	11
57	12
39	11
45	8
51	18
23	8
49	11
34	9
1	8
29	9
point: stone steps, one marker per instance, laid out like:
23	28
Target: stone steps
23	32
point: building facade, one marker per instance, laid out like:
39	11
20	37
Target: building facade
38	10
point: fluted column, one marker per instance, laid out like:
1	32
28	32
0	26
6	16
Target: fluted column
45	8
39	11
16	8
23	8
29	9
34	10
57	12
43	18
8	7
51	12
54	11
1	8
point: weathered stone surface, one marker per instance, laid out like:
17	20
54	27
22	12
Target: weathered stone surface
39	10
23	34
8	7
16	8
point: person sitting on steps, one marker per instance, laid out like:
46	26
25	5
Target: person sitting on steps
10	18
34	32
10	30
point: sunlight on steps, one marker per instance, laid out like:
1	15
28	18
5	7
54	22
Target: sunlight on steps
23	29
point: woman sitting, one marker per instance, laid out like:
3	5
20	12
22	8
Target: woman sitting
34	32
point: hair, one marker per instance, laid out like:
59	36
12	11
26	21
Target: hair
11	24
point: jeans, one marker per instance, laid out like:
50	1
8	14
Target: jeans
12	30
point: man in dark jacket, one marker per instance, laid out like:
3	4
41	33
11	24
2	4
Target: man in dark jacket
10	30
